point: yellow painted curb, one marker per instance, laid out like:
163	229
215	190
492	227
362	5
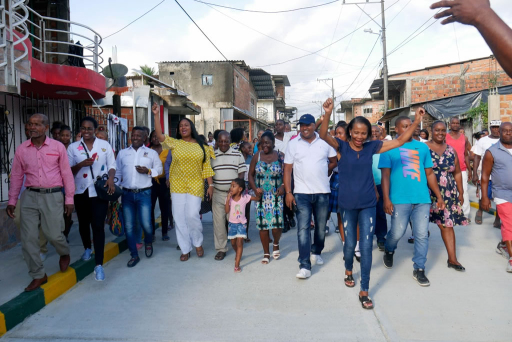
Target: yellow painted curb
3	327
111	251
475	205
58	283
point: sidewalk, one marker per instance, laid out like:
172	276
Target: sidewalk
163	299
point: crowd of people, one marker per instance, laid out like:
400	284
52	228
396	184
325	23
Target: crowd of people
294	178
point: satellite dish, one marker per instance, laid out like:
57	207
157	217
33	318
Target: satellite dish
115	71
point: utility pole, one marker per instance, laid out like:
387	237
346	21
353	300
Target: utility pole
332	89
384	50
384	59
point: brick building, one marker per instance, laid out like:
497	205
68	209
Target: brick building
465	84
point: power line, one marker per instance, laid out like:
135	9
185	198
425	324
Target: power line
325	47
334	33
351	37
392	19
277	40
375	44
456	41
110	35
266	12
201	30
404	42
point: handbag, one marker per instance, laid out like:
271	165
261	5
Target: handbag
99	185
116	219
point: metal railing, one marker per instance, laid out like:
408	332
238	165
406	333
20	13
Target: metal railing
46	37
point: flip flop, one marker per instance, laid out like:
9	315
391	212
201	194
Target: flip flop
478	218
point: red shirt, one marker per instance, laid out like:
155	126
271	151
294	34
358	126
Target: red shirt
459	146
44	167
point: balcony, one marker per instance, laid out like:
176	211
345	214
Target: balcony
39	56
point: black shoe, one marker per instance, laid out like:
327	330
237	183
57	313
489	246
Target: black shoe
381	245
419	276
336	230
133	262
149	250
388	259
459	268
411	239
292	223
286	227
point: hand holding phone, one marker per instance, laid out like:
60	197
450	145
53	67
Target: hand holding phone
94	156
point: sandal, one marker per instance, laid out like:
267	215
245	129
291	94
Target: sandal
478	217
200	251
220	256
497	224
247	240
366	302
349	280
276	254
265	260
238	269
184	257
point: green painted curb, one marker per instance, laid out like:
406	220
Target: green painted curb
19	308
83	268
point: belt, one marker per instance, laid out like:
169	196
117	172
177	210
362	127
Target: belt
136	190
46	191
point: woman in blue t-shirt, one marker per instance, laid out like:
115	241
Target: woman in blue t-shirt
357	199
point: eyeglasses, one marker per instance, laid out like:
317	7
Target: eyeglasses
87	129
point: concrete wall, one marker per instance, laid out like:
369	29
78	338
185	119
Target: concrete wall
269	106
220	94
243	91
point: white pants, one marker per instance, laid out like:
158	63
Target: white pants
466	207
189	229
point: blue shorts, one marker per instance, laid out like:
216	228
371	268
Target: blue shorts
237	230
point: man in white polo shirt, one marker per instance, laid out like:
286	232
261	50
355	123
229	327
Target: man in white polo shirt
311	160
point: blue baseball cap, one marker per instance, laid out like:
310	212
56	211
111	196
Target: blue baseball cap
306	119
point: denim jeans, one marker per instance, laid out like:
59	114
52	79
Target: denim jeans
381	223
418	215
307	204
137	207
366	219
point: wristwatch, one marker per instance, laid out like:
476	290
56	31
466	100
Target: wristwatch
149	172
210	185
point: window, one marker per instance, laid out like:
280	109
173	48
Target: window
237	82
207	80
253	106
368	110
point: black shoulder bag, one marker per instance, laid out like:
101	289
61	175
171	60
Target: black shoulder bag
99	185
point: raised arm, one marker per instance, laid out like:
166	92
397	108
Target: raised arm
158	128
324	129
479	14
402	139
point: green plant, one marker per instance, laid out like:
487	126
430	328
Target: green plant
479	113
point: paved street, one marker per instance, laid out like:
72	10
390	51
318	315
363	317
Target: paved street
163	299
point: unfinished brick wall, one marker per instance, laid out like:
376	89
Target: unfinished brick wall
455	79
377	110
506	108
245	90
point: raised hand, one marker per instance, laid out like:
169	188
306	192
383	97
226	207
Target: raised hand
328	106
467	12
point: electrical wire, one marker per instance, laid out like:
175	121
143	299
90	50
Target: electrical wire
375	44
456	41
201	31
325	47
110	35
334	33
266	12
277	40
392	19
351	37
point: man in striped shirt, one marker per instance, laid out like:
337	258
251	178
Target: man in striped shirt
228	165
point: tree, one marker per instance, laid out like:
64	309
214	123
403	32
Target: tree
146	69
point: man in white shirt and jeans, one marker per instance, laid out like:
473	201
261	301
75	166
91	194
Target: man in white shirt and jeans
312	160
481	146
136	166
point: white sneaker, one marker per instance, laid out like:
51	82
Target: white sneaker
502	249
42	256
509	266
316	259
303	274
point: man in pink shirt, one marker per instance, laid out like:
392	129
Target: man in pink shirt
44	163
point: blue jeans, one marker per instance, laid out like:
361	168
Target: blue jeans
366	219
137	207
381	223
318	205
418	215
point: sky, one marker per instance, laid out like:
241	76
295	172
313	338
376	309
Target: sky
270	41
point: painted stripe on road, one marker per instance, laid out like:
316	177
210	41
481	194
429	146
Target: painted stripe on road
3	327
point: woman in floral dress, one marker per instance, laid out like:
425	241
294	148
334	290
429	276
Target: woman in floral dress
447	170
266	178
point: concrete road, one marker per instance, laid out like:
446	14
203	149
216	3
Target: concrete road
163	299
